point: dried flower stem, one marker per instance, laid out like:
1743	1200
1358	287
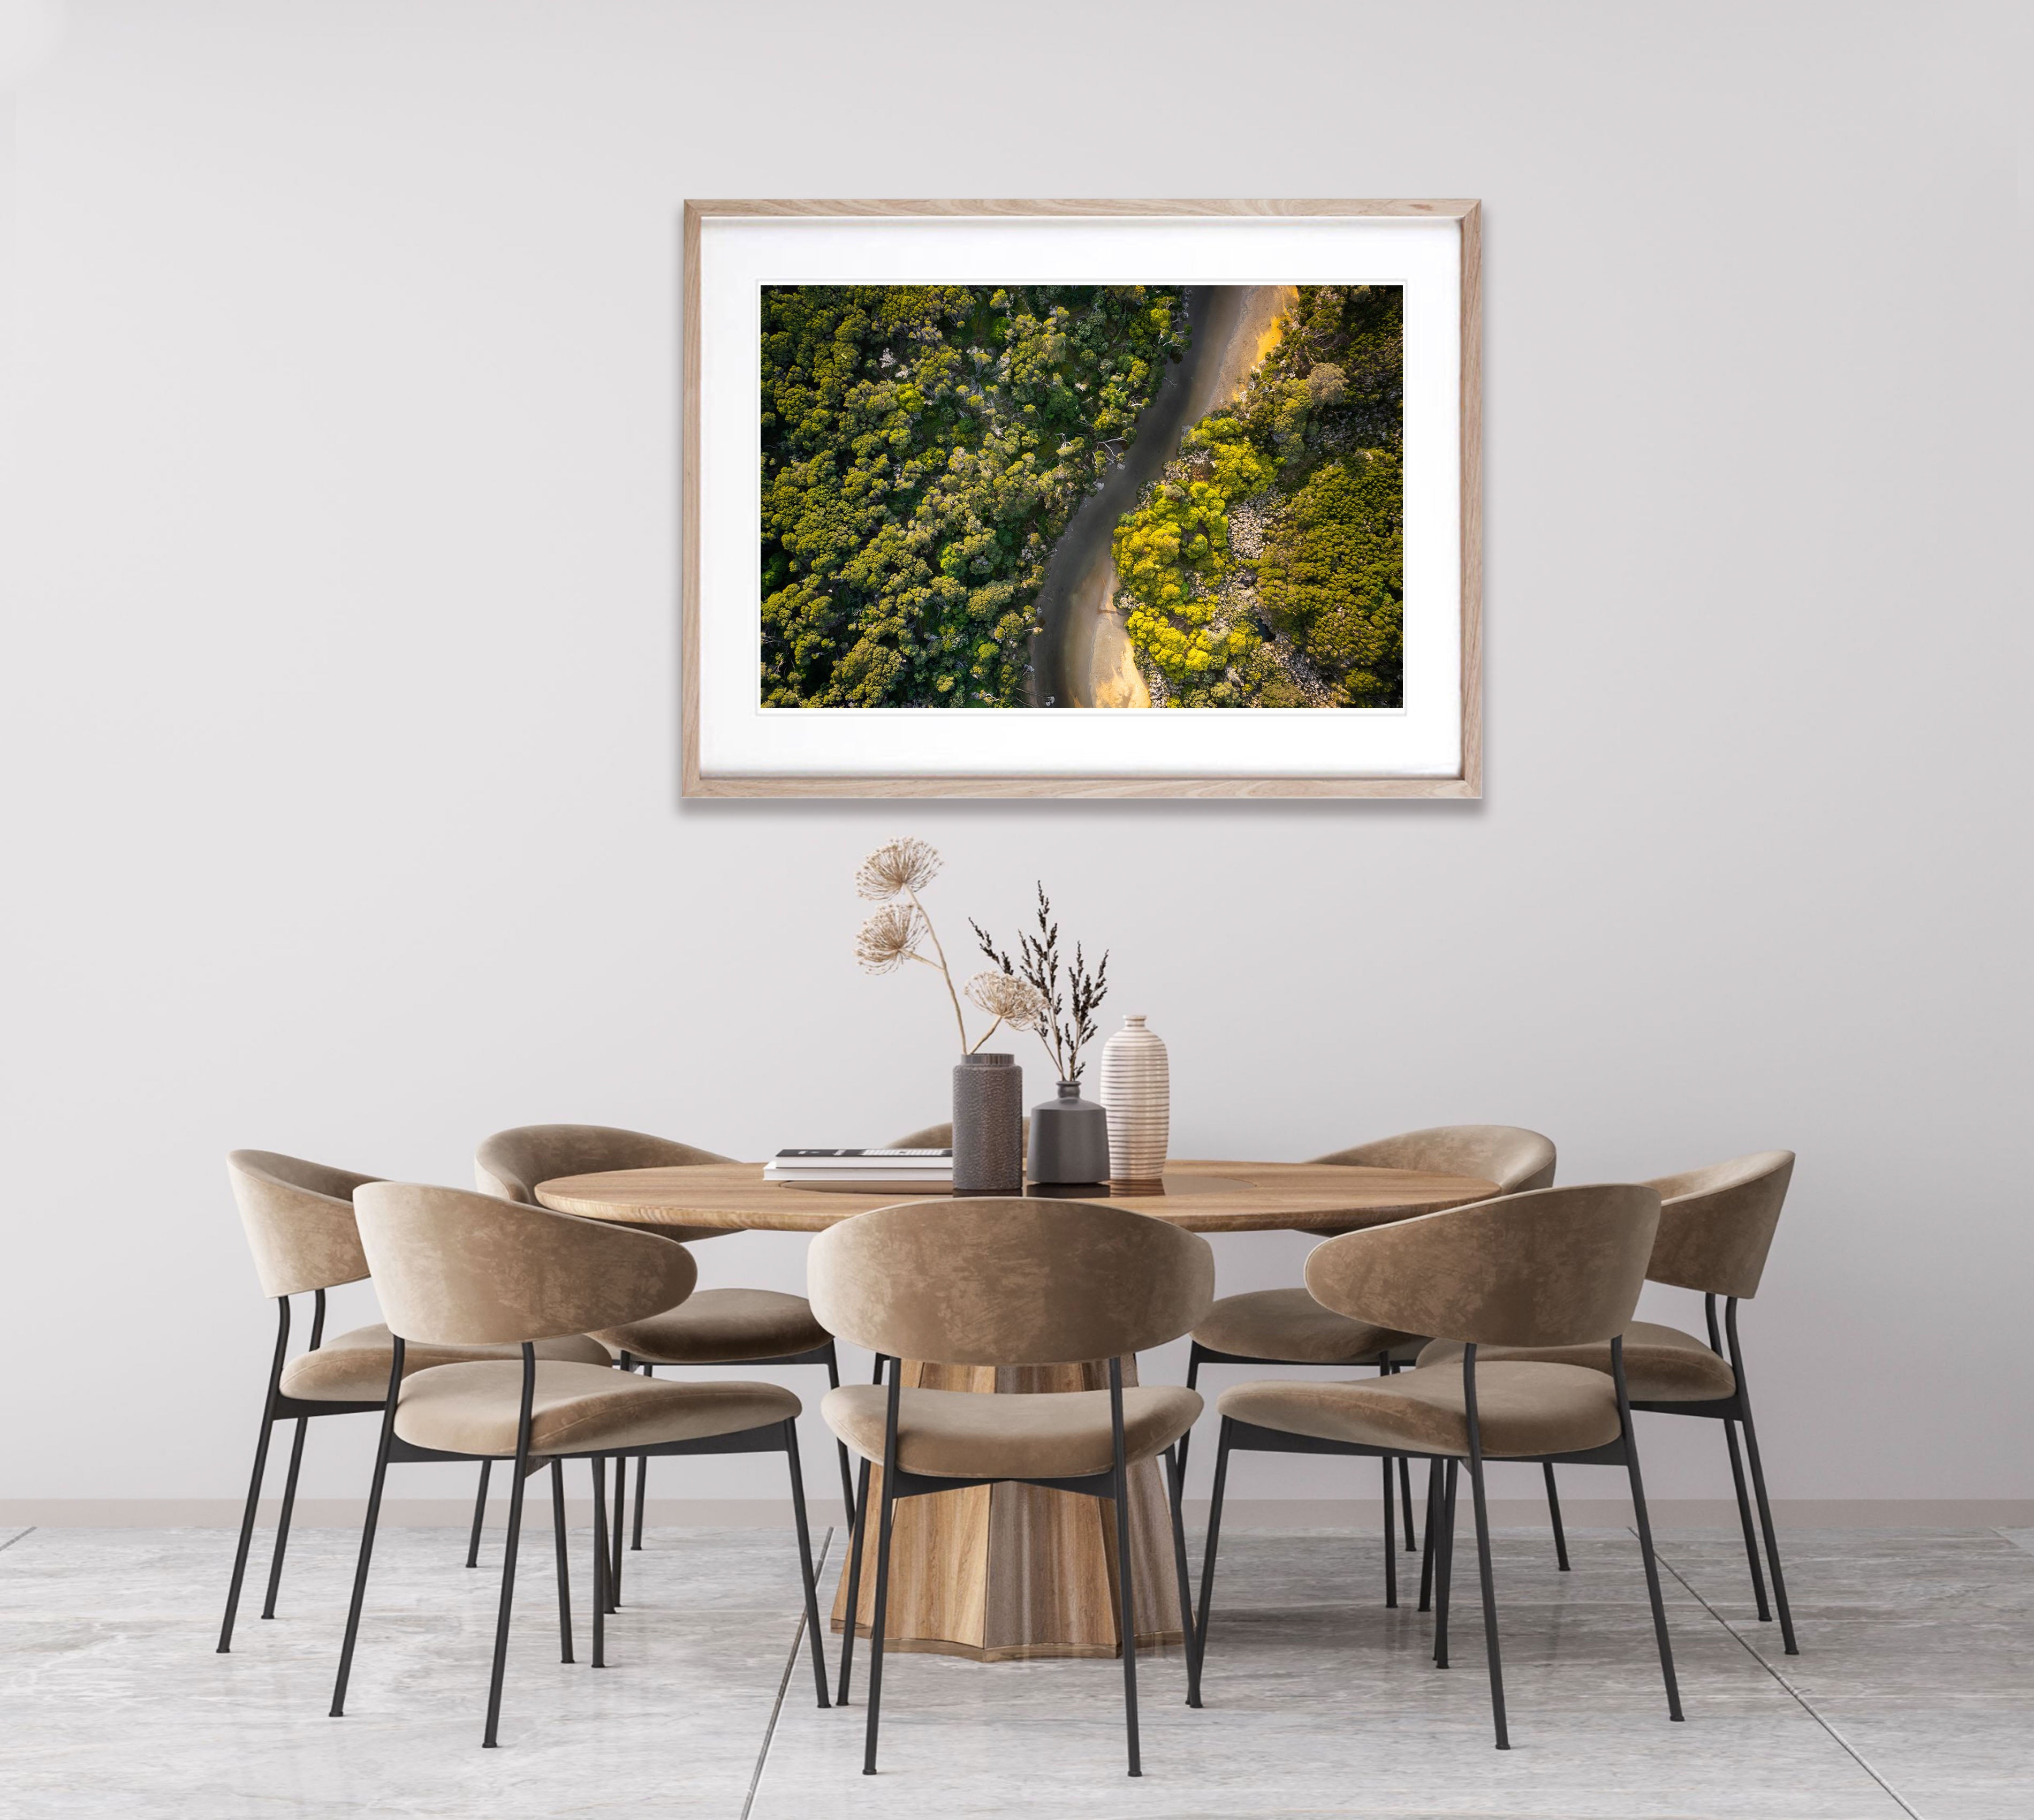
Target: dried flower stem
945	972
890	936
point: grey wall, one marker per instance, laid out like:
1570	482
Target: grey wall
340	662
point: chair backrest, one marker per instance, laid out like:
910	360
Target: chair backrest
299	1220
456	1268
1509	1155
1008	1282
1549	1267
511	1163
932	1138
940	1138
1716	1224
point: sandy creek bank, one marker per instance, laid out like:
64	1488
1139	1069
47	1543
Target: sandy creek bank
1082	656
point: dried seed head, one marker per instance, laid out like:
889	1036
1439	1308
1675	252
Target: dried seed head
889	938
1019	1003
896	867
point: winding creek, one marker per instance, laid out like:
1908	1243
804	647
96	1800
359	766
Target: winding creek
1081	656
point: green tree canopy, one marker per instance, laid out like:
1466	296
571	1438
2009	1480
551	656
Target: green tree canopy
922	448
1331	576
1308	455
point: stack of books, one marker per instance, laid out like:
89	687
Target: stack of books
931	1169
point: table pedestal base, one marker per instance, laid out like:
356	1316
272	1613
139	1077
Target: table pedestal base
1004	1573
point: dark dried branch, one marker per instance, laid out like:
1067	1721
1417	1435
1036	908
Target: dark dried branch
1063	1034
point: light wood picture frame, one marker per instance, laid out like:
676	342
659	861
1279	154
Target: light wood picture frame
749	265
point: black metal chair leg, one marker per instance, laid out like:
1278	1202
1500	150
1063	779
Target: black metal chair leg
600	1607
1772	1538
1758	1481
283	1520
254	1483
1126	1594
635	1538
1745	1523
1485	1575
614	1547
1193	1383
1427	1540
1738	1465
805	1559
881	1618
246	1534
479	1515
1444	1566
514	1536
1645	1532
1388	1368
1554	1517
1177	1501
511	1541
840	1446
1391	1541
1127	1620
564	1560
290	1482
1213	1540
1737	1481
367	1534
860	1526
1652	1592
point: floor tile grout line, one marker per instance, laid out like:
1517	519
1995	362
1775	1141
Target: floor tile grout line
784	1684
12	1540
1794	1693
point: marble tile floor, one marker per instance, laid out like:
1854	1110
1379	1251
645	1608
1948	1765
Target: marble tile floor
1913	1694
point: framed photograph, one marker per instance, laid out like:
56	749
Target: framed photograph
1081	498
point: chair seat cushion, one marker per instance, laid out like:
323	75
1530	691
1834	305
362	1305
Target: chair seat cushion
577	1408
1045	1434
721	1328
1661	1364
1523	1410
1289	1327
353	1368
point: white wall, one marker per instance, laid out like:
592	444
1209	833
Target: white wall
340	666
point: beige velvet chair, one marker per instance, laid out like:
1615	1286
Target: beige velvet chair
1552	1267
927	1138
710	1327
300	1227
1007	1282
1716	1228
1289	1327
457	1268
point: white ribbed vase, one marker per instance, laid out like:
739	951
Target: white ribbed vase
1136	1089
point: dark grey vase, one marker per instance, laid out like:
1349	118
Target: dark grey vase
1069	1140
989	1126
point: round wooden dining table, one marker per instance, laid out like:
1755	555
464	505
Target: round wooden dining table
1001	1573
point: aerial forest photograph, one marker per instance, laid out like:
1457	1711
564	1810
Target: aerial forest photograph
1082	496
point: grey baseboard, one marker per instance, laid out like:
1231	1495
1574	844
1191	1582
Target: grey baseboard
1245	1513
